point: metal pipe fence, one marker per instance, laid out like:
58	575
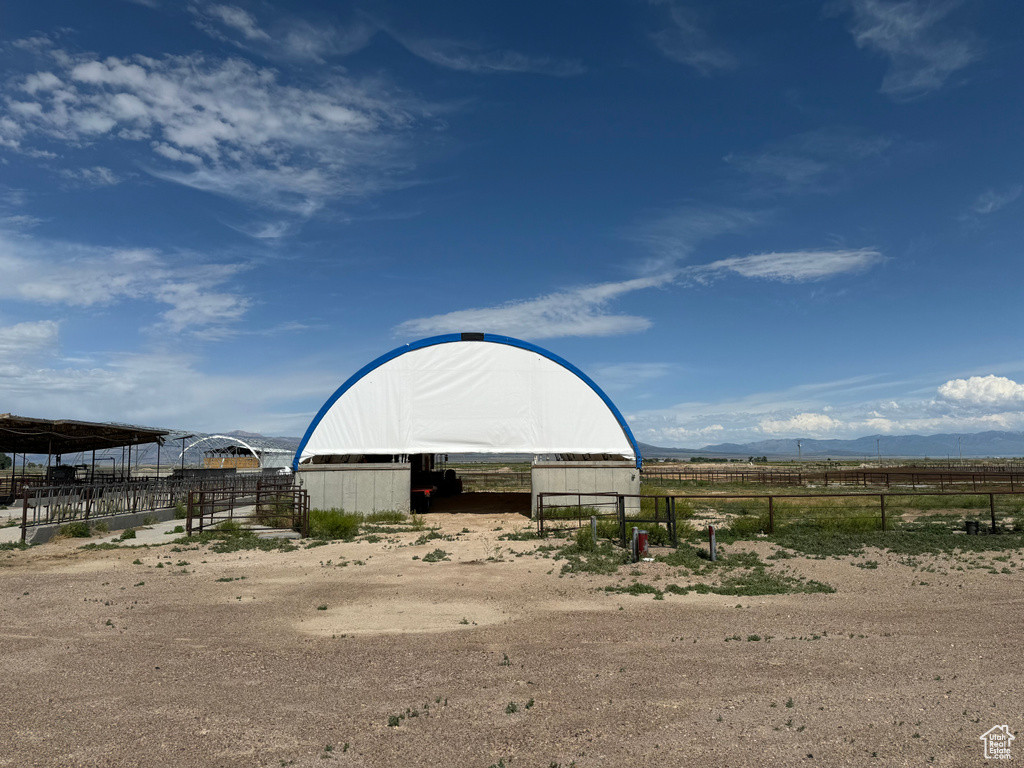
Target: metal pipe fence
767	513
558	512
976	479
277	507
48	504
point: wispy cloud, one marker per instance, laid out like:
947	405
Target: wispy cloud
922	56
224	126
683	40
287	37
576	312
97	176
23	341
72	275
672	236
586	311
992	200
472	57
814	161
792	267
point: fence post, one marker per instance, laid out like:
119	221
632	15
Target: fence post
672	523
882	497
24	514
622	519
771	515
593	529
188	514
992	509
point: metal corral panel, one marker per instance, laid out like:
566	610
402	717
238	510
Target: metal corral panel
359	488
579	478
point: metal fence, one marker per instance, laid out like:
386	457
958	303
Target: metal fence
977	479
964	510
561	511
48	504
277	507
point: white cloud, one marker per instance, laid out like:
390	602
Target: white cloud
921	59
162	388
684	41
800	424
225	126
27	340
98	176
238	19
577	312
992	200
51	272
470	57
796	266
288	38
993	393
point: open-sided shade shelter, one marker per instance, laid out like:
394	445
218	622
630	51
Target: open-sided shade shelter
468	393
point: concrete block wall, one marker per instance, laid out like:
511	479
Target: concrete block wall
585	477
357	487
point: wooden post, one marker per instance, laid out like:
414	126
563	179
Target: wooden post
882	497
992	509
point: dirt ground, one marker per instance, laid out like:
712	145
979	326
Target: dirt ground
303	658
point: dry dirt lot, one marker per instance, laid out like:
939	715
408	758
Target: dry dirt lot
303	658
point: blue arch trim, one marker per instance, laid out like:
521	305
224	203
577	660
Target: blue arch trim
447	339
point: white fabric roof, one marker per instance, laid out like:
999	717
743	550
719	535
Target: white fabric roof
468	397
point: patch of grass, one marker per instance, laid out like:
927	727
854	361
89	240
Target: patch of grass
235	540
525	534
101	527
333	524
150	520
8	546
128	533
588	558
76	530
636	588
436	556
387	516
180	511
429	536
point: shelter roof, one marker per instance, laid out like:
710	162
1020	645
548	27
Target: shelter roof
21	434
468	393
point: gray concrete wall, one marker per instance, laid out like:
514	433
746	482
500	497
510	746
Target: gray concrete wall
40	534
357	487
585	477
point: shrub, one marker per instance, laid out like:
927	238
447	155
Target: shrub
78	530
333	524
127	533
101	527
180	512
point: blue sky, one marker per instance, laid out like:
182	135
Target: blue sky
742	219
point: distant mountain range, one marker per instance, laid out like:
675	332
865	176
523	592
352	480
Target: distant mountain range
983	444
